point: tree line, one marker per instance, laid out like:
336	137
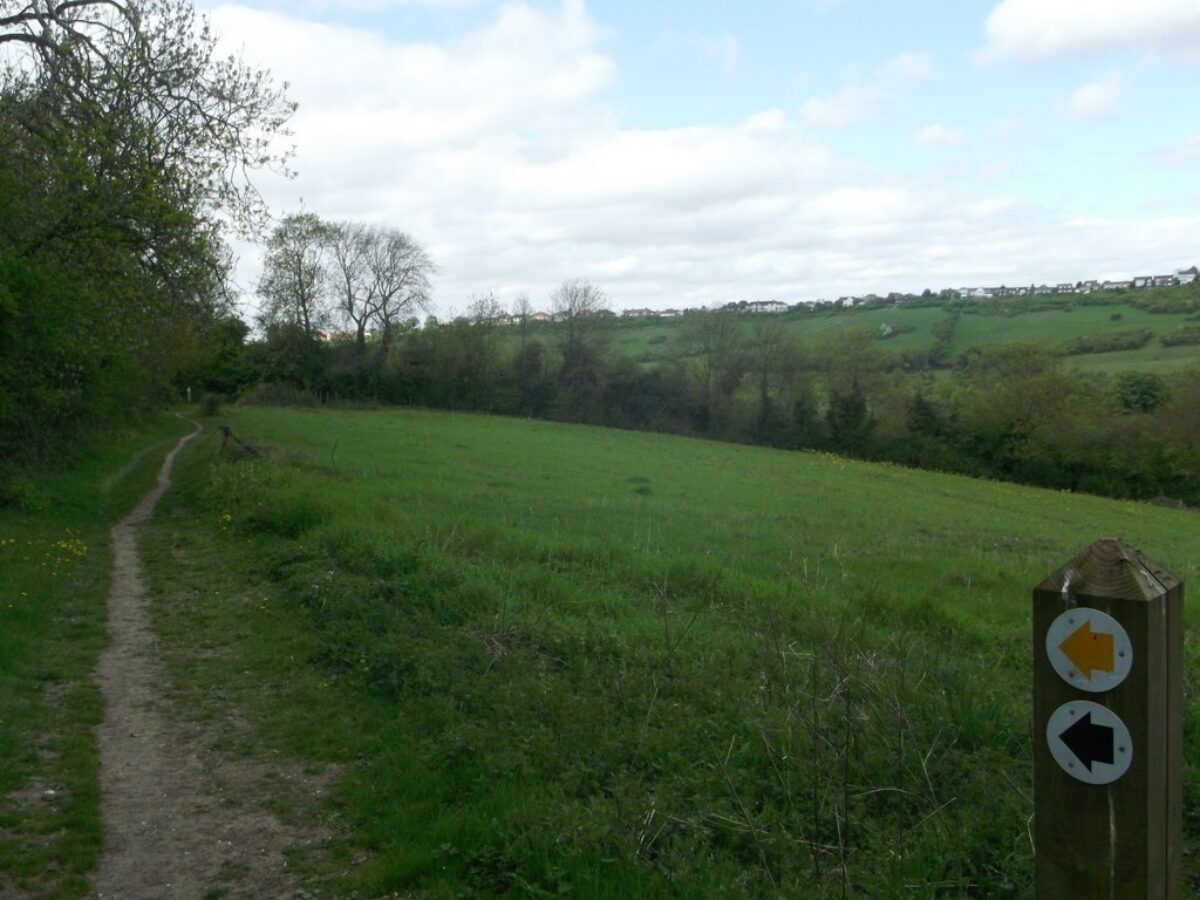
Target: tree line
1013	411
126	148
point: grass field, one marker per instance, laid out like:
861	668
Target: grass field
54	561
1021	320
562	661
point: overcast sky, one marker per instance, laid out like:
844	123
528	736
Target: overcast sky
689	153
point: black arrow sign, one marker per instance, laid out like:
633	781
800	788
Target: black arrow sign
1090	743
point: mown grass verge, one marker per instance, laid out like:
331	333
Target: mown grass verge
557	661
54	564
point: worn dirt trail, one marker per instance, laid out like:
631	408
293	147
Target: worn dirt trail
179	820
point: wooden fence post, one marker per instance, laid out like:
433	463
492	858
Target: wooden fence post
1108	728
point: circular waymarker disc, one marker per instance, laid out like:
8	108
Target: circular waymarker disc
1089	742
1089	649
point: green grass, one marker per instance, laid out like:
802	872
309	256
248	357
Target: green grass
1056	326
1038	320
1155	358
54	562
556	660
653	342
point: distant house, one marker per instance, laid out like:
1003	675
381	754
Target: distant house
1117	285
766	306
637	313
1065	288
1164	281
1143	281
669	313
1187	276
540	317
1087	287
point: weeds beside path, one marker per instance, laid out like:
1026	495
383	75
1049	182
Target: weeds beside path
179	819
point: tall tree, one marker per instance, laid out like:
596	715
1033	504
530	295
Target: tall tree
712	345
578	306
769	349
400	272
349	245
295	276
522	313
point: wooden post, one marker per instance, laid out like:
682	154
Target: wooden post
1108	804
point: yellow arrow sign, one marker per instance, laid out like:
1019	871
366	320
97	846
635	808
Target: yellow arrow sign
1089	651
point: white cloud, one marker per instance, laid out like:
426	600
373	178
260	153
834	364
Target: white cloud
501	152
939	137
1097	100
1053	29
869	96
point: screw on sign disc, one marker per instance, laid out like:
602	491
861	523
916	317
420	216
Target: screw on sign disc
1089	742
1089	649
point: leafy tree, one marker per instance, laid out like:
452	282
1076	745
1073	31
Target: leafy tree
218	363
923	417
126	143
1142	392
583	334
768	350
712	348
295	275
850	421
534	389
1018	408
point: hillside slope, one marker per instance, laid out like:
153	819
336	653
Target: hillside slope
558	659
911	328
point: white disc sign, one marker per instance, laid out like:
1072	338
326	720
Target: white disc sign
1089	649
1089	742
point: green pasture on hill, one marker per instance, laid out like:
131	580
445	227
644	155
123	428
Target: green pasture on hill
1058	326
1051	321
566	661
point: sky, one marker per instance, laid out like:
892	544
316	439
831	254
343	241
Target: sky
683	154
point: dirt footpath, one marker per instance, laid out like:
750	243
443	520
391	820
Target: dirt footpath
180	820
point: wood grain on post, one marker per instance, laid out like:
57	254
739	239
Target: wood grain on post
1124	839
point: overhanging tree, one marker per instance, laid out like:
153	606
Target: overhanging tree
126	149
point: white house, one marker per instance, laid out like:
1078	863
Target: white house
1187	276
766	306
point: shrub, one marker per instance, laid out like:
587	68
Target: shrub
1108	343
276	394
